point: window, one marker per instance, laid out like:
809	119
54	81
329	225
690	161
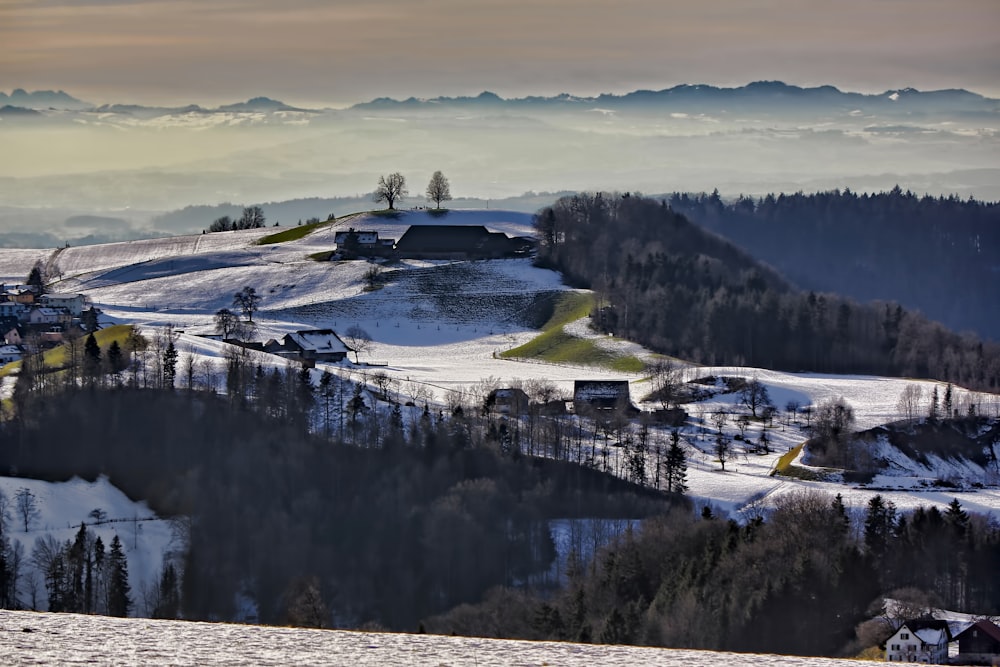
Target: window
904	636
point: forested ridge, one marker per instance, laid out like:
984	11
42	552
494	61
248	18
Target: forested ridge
667	283
938	255
403	521
804	579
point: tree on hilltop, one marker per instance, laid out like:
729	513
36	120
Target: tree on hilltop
438	190
390	189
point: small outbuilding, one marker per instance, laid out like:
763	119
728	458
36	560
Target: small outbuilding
978	644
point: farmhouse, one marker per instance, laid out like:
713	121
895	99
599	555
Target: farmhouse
310	346
363	242
510	401
458	242
597	396
978	644
920	640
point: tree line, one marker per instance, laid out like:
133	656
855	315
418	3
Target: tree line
806	578
667	283
937	255
323	508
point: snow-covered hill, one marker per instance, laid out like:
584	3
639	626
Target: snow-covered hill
441	325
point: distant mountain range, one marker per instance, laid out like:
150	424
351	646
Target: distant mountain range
701	98
42	99
683	98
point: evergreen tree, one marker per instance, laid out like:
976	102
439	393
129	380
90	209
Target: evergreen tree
880	524
116	360
100	597
169	365
168	602
948	403
935	406
119	602
91	358
675	466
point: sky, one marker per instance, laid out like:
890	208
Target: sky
336	52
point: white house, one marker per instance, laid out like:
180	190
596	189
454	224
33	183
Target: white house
9	353
74	303
920	640
41	315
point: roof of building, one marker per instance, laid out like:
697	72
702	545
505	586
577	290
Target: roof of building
589	390
324	341
449	239
62	296
929	630
987	627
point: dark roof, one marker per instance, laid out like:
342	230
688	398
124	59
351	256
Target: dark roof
988	627
599	389
446	238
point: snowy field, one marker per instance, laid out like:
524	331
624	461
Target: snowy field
63	506
440	326
34	638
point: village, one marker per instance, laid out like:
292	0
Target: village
33	320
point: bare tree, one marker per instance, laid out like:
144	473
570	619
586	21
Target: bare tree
438	190
390	189
754	396
358	340
226	322
252	218
248	301
909	400
666	377
26	506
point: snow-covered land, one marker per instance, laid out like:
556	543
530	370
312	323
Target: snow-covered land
30	638
60	509
440	326
437	327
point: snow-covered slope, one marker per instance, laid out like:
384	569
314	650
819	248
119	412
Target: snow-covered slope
63	506
30	638
440	325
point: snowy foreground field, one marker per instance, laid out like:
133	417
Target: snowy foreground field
37	638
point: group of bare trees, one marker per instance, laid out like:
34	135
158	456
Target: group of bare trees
392	188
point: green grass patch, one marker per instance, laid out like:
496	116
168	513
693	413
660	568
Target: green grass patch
56	357
556	346
785	468
786	459
321	256
292	233
570	307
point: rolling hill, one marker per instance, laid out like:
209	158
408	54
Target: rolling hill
443	324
